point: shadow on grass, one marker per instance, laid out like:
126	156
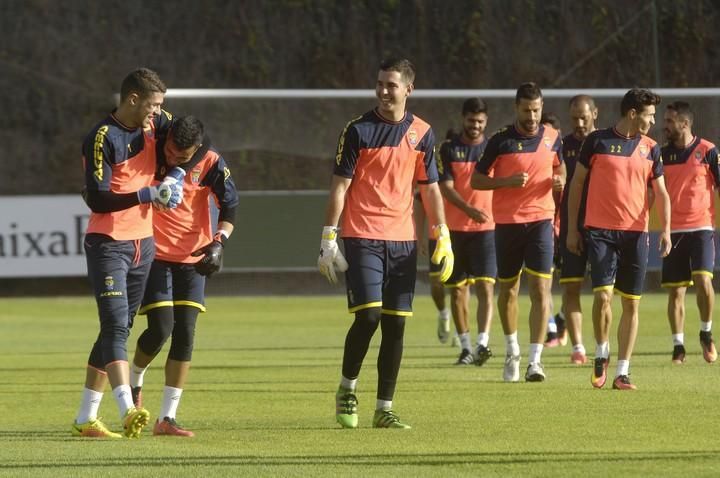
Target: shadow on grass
389	459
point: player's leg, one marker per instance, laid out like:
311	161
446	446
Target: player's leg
676	277
189	298
538	265
483	273
602	256
364	282
401	270
702	262
509	246
629	285
157	306
573	317
437	292
460	295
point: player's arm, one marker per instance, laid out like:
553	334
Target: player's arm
662	200
481	178
559	177
711	157
575	190
447	188
443	255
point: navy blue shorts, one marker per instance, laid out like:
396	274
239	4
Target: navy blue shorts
572	267
618	259
474	258
434	268
691	253
529	243
380	274
171	284
118	272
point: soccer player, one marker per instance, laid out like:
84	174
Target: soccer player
120	160
381	155
691	174
472	234
583	114
522	164
617	164
187	252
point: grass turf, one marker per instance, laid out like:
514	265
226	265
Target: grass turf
260	398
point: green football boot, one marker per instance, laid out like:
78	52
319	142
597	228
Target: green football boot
386	418
346	408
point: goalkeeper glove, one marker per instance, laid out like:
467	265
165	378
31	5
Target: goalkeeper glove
159	194
174	179
330	255
443	254
212	256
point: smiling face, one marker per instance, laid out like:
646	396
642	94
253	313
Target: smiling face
474	125
392	91
644	119
142	109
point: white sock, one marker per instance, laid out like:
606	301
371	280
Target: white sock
89	406
383	404
579	348
171	400
678	339
444	313
535	353
602	350
465	341
706	326
623	368
483	339
348	384
137	375
123	397
552	326
511	344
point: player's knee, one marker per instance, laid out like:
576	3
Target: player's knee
393	326
160	327
183	339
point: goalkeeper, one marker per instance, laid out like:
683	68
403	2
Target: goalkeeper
187	253
380	157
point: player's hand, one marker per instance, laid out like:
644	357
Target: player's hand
175	175
159	195
518	180
174	179
477	215
330	256
212	258
443	254
574	242
558	183
665	244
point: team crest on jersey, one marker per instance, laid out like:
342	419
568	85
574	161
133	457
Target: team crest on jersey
643	150
548	142
412	137
195	175
698	155
109	282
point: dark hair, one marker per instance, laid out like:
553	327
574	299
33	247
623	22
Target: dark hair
187	131
579	99
638	99
682	108
474	106
551	119
142	81
528	91
401	65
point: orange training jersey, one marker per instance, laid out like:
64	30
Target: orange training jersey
181	231
384	160
507	153
691	177
122	160
456	162
619	171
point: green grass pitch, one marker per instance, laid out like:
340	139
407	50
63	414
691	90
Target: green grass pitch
261	400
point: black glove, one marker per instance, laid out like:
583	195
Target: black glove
212	258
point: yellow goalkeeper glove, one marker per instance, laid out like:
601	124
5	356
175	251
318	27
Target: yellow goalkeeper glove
443	254
330	256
